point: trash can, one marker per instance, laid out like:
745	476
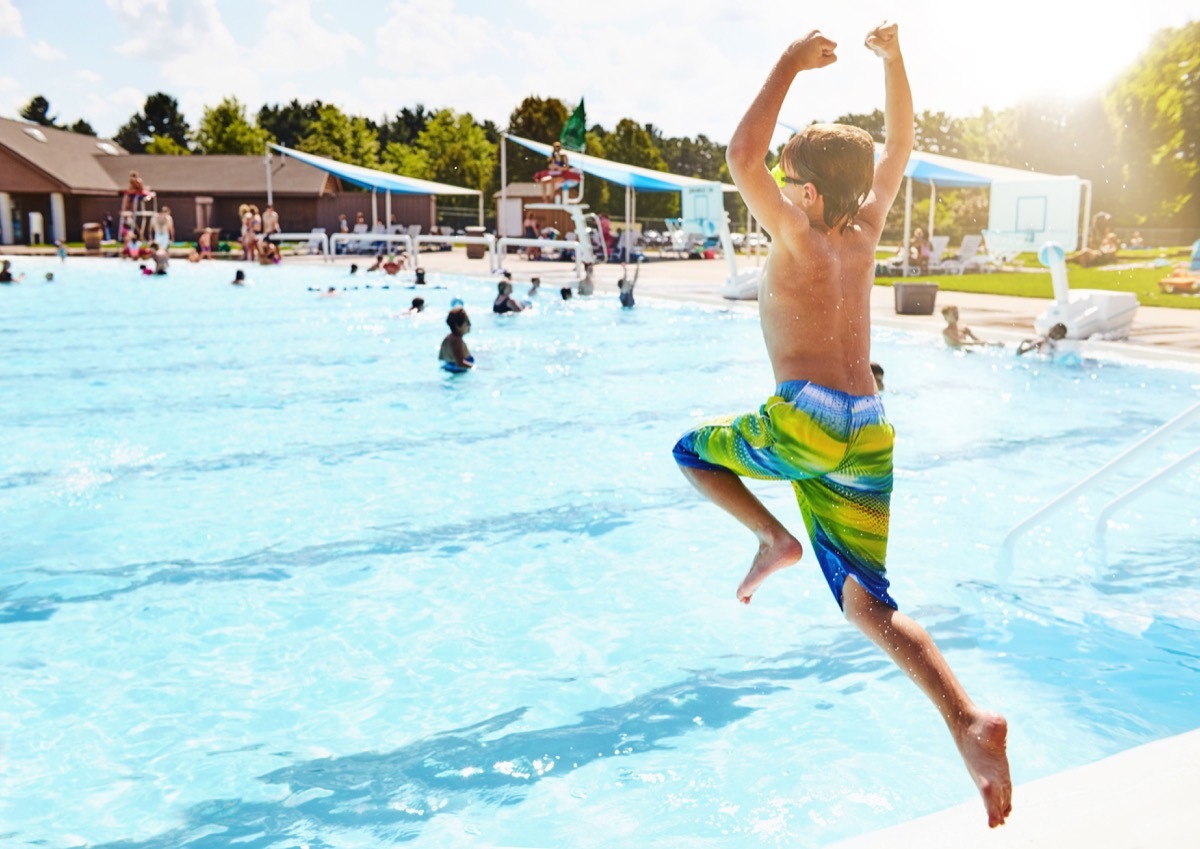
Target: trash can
92	235
476	251
915	298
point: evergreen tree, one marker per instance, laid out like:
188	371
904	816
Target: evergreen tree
37	110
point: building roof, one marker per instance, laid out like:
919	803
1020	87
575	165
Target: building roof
219	174
71	159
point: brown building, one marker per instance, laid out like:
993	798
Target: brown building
61	180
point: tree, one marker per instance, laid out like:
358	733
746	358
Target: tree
288	124
166	146
224	128
1156	104
537	120
37	110
404	128
160	116
336	135
634	145
872	122
82	127
458	150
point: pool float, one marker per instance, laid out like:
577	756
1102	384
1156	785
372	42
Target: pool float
569	177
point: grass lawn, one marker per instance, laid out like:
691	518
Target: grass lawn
1143	282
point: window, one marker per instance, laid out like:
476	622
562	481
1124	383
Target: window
35	133
105	147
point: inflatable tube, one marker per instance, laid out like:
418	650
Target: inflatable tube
566	176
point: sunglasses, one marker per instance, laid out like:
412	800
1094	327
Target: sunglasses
782	179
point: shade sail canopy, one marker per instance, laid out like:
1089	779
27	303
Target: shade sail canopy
947	172
370	178
630	176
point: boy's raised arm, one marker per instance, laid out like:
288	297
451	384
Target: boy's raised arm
751	140
898	125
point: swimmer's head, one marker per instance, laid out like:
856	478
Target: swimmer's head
418	304
458	321
1058	331
838	161
950	313
353	267
503	287
877	373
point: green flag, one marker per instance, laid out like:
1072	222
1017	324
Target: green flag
574	134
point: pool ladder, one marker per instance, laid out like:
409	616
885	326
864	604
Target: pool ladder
1182	420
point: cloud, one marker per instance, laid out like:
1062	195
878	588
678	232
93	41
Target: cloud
88	76
293	41
44	51
10	20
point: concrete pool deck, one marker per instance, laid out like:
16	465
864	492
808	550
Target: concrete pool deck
1158	332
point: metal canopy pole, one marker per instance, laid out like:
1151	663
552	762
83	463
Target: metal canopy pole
503	185
907	223
932	204
387	207
267	163
374	208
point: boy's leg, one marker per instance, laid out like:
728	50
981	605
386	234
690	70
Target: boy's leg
979	734
777	547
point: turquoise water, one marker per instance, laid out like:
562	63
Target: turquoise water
270	578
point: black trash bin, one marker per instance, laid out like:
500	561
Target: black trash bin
915	298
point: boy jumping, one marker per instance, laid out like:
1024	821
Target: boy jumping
824	428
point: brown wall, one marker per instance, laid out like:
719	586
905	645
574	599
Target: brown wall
17	176
408	209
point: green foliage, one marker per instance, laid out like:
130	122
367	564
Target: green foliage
160	116
598	194
1157	107
633	144
37	110
335	135
408	160
82	127
290	123
166	146
458	150
224	128
871	122
537	120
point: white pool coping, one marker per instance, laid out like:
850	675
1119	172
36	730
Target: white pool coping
1141	798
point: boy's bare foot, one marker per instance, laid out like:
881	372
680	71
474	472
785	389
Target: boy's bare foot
771	557
982	746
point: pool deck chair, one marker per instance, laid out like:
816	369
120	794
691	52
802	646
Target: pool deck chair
1184	279
966	258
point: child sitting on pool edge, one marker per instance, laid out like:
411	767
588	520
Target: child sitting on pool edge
824	427
454	354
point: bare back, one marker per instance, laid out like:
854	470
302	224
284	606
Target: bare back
814	304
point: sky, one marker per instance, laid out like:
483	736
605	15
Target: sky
688	68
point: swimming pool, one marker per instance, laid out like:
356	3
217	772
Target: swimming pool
271	578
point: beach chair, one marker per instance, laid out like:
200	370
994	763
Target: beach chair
1184	279
966	256
316	244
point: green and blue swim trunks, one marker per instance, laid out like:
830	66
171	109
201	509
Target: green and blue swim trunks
836	449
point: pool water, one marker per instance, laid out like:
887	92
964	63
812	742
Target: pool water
271	578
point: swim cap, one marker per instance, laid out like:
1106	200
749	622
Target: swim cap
455	302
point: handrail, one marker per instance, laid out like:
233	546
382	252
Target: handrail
302	237
389	238
1134	491
1154	437
504	242
487	239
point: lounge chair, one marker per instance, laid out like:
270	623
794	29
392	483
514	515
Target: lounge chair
1184	279
967	256
316	244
